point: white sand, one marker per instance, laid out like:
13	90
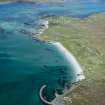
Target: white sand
71	59
76	67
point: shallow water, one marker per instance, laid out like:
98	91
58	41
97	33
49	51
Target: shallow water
27	64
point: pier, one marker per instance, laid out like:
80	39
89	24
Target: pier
56	101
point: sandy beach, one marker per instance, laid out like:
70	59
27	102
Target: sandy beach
72	61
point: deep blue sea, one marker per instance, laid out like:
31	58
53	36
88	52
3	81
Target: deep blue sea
25	63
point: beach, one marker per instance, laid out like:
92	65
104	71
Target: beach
72	61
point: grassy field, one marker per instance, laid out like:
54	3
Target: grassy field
86	40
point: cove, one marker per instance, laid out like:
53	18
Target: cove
26	65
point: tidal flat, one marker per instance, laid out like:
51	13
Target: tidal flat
85	39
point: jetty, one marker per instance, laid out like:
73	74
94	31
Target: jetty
42	97
56	101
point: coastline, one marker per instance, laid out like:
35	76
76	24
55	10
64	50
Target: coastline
78	74
95	53
72	61
43	24
76	67
85	39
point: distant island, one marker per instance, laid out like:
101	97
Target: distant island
41	1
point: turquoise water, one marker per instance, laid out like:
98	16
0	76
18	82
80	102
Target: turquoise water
27	64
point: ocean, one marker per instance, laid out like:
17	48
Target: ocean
26	63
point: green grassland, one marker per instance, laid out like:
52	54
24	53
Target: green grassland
85	39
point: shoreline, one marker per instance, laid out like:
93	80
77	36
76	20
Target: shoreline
85	39
43	24
58	100
76	67
88	18
72	61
